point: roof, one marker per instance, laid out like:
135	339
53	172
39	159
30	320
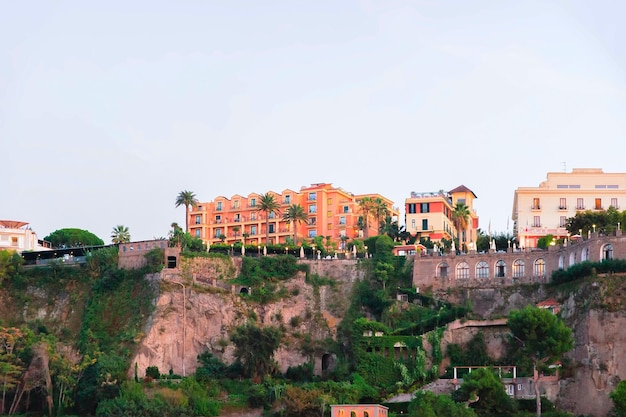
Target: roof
12	224
550	302
462	189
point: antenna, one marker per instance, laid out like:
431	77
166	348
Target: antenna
564	166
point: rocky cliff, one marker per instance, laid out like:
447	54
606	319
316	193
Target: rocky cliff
197	309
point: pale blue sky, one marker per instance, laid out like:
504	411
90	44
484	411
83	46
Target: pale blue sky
109	109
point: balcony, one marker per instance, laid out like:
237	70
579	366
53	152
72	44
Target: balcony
535	207
580	207
562	207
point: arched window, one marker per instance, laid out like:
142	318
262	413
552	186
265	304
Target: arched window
561	262
442	270
342	413
518	268
482	270
462	270
500	269
539	268
607	252
366	414
572	259
584	255
352	413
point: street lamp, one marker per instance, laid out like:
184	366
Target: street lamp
232	249
184	323
366	252
594	228
313	246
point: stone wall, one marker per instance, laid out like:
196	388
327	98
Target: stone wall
441	272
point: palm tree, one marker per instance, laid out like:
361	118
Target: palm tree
365	205
460	218
268	205
187	199
295	214
120	234
380	211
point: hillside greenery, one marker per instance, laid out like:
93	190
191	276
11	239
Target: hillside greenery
382	347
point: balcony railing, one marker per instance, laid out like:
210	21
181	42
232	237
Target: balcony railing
562	207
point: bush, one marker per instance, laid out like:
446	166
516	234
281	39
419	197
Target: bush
153	372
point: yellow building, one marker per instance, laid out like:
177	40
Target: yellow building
429	215
331	212
544	210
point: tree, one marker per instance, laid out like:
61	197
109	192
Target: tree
254	349
543	338
295	214
460	219
427	404
187	199
268	205
120	234
380	211
485	393
72	238
10	263
365	206
618	396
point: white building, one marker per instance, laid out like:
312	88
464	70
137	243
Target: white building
16	235
544	210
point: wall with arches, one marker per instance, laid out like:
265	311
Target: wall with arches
358	410
528	266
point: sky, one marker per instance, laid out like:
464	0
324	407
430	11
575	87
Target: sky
109	109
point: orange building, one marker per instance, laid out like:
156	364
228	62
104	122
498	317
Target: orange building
331	212
429	215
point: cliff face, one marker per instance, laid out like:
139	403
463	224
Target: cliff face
184	326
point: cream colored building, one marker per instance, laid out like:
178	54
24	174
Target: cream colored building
544	210
16	235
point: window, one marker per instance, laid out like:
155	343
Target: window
198	231
198	219
413	224
253	202
461	201
411	208
312	233
312	220
424	224
271	229
288	199
345	209
598	204
252	230
219	205
536	221
329	201
500	269
218	232
312	208
425	208
614	203
539	269
342	220
536	205
510	390
252	216
607	252
312	196
329	214
237	218
442	270
272	215
329	226
482	270
562	221
236	204
218	219
580	204
518	268
562	203
462	271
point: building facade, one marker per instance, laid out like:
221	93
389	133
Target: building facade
16	235
544	210
331	212
429	214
